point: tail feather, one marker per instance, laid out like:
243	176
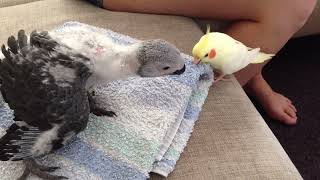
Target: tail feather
42	40
261	57
13	45
5	52
17	143
22	39
11	56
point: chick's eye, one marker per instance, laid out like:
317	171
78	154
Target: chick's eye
206	55
166	68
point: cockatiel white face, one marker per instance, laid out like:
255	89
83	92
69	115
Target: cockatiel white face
217	49
204	51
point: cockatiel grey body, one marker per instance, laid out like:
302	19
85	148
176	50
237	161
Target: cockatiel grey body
45	83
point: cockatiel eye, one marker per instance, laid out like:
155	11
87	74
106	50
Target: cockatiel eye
206	55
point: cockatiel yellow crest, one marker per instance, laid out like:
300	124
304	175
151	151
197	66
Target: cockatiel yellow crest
225	54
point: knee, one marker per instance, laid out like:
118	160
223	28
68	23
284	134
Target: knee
301	13
292	18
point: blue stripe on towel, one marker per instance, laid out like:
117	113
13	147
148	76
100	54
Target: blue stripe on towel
98	162
192	112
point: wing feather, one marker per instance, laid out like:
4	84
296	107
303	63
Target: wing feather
37	85
44	84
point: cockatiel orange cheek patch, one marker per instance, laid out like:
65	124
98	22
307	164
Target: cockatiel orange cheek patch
212	53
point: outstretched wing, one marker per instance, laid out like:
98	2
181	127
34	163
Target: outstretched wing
44	83
41	79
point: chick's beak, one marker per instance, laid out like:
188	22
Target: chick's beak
181	71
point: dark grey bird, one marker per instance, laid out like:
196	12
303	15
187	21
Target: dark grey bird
44	83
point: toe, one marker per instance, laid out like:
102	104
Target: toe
110	114
49	169
61	177
288	117
25	174
290	112
42	171
293	107
288	100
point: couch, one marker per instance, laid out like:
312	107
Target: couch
230	140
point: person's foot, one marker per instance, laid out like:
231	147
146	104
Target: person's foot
276	105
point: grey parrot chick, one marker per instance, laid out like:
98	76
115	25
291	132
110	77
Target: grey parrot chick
159	58
152	58
113	61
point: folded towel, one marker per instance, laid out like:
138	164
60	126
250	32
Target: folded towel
155	117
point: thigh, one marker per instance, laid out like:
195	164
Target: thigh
255	10
224	9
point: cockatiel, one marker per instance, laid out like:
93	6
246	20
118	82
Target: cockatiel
45	83
225	54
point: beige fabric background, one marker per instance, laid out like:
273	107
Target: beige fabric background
230	140
5	3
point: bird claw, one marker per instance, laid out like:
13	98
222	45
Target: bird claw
39	170
220	77
109	114
92	93
49	169
61	177
103	112
96	110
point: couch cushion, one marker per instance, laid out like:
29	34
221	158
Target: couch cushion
5	3
230	141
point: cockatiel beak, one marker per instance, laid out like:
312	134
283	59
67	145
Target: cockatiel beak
196	60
